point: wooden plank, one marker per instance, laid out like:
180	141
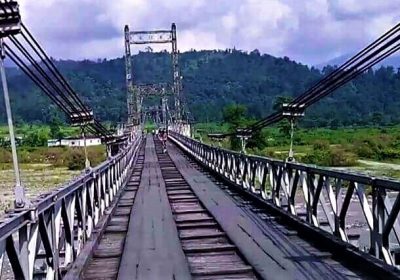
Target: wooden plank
108	253
189	211
101	270
216	270
122	211
237	276
152	247
117	229
193	217
196	225
196	234
198	248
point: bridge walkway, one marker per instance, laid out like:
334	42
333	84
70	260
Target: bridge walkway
152	248
184	224
272	249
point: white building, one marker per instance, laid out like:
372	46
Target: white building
74	142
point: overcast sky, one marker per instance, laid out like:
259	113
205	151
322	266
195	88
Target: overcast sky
309	31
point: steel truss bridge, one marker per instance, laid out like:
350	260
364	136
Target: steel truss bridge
197	211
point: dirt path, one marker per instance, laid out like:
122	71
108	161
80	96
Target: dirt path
377	164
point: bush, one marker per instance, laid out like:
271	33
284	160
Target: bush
270	154
382	147
235	143
96	155
41	155
36	138
318	157
365	150
75	159
389	153
339	157
5	156
330	156
321	145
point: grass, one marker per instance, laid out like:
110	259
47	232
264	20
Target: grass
27	128
49	170
37	179
56	156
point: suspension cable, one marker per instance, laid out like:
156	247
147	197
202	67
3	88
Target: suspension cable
10	53
54	86
49	63
374	53
43	73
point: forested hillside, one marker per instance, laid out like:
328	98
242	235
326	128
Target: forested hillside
213	79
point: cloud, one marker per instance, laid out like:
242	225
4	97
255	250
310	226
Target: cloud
310	31
68	20
353	8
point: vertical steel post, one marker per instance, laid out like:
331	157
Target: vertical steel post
19	191
176	75
291	155
243	141
129	79
166	117
87	162
143	123
138	95
164	108
109	151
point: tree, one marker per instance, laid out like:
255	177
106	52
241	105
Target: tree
55	129
36	138
255	52
377	118
257	140
284	126
235	116
280	100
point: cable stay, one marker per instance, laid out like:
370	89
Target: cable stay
381	48
25	51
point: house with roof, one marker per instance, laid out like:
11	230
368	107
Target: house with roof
74	142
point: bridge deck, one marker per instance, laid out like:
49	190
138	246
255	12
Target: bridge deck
236	238
152	247
274	251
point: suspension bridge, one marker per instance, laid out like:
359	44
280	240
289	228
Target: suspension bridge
196	211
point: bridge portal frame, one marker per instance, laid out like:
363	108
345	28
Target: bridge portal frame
161	90
143	38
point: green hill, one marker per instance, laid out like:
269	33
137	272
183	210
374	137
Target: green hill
213	79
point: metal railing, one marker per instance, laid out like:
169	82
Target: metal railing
325	198
41	242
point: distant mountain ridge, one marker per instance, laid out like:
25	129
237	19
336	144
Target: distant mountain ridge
393	61
211	80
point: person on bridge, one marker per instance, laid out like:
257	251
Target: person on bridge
163	136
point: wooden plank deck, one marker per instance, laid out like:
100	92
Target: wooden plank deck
273	251
152	247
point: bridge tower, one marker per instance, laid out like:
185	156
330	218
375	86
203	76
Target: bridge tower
131	96
176	73
151	37
162	91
